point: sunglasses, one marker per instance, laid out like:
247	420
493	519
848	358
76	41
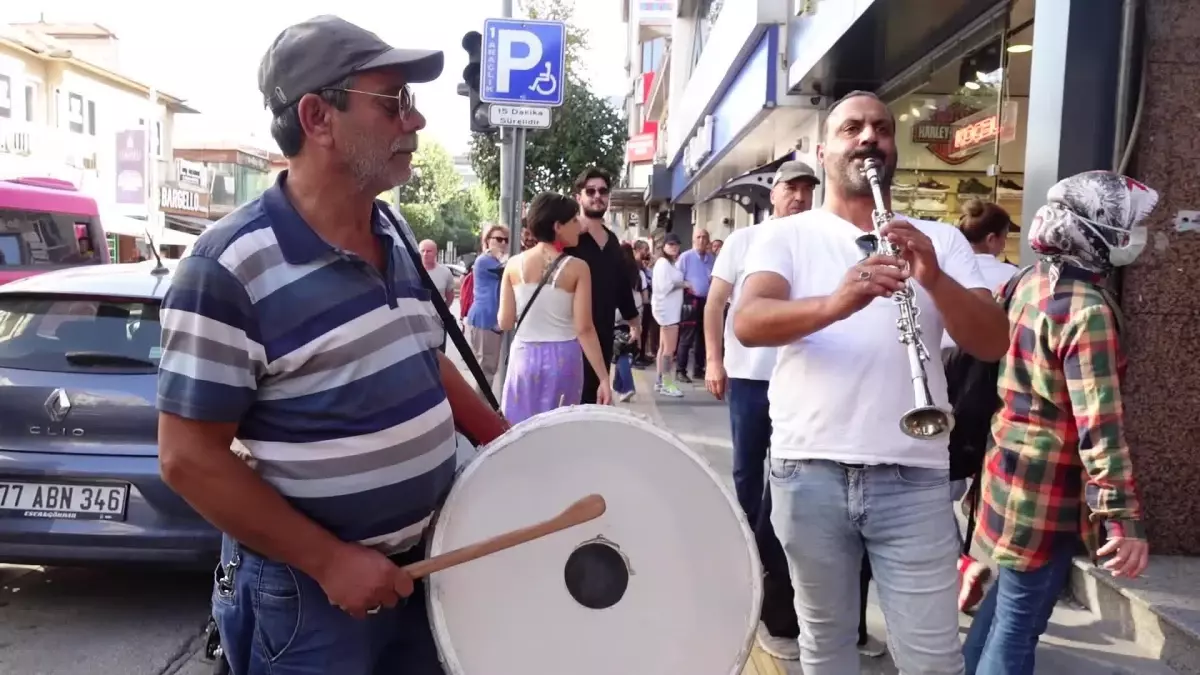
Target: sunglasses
502	240
592	192
401	105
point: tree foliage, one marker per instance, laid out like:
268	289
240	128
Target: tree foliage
586	130
436	204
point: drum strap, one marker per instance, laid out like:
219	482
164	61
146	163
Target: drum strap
439	302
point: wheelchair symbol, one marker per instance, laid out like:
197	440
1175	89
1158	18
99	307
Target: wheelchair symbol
545	83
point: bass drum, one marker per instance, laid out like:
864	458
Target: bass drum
666	582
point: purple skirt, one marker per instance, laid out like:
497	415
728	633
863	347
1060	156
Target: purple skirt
541	376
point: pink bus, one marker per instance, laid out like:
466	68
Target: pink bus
45	224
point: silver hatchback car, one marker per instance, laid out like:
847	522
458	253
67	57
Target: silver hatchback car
79	475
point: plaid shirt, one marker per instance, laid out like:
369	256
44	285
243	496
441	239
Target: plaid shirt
1060	463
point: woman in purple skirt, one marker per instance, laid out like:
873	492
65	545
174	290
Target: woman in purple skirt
555	331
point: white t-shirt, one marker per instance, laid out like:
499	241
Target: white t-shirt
742	362
442	278
839	393
666	299
996	273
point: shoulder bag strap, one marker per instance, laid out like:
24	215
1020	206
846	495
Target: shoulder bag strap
541	284
439	302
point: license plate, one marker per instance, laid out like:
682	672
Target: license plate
67	501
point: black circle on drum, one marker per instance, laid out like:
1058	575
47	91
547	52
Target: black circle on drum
597	574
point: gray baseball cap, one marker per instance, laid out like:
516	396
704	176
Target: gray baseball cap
319	52
794	169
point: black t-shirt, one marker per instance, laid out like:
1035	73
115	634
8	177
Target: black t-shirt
610	285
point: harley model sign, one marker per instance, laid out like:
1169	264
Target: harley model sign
937	132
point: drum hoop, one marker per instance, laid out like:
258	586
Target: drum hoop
437	619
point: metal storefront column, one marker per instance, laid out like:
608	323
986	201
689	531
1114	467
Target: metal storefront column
1072	96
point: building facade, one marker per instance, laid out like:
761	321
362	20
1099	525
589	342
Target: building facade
66	112
995	100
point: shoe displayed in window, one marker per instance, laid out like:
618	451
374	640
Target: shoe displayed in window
930	185
1008	188
929	205
972	186
901	188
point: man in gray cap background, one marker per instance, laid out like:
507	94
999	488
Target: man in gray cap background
741	375
299	333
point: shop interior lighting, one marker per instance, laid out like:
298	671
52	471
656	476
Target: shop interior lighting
971	85
916	112
1020	49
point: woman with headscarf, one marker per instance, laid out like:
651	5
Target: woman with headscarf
1059	470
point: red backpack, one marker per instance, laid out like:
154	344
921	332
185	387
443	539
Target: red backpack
466	294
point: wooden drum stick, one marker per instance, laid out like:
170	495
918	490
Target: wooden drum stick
589	508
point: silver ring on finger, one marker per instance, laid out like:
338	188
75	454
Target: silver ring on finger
864	275
375	609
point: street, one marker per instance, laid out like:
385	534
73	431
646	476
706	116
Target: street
136	621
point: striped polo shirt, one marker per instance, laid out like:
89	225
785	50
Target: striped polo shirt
329	368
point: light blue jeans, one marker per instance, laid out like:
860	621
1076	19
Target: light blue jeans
825	513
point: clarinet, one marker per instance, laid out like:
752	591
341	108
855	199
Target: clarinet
925	420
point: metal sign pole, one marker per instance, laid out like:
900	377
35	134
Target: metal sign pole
513	201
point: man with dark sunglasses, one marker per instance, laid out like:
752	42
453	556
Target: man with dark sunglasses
305	409
599	248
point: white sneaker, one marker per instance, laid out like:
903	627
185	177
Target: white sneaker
872	648
625	398
671	390
784	649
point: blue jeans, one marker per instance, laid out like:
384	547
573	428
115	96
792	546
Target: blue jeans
750	424
275	620
623	374
826	514
1014	614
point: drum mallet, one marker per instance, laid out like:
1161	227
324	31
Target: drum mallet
589	508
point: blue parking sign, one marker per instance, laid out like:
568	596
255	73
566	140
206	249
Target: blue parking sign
524	62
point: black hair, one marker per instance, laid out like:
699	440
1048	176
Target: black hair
589	174
857	93
286	128
548	210
632	270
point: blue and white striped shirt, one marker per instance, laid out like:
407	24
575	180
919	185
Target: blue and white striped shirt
329	368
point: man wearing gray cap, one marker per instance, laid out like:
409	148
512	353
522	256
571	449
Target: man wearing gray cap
742	374
300	333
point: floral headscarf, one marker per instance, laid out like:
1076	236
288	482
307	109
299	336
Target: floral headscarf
1060	231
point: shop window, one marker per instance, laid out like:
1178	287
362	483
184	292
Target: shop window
250	183
6	96
961	135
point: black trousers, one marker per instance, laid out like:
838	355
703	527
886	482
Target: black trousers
590	381
691	336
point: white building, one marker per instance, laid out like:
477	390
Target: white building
462	165
66	112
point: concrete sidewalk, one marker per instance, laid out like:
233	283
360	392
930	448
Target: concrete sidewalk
1077	641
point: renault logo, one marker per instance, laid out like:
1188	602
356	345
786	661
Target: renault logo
58	405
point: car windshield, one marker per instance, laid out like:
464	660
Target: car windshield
79	333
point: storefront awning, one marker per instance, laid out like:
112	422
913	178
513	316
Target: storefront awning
115	223
751	190
627	198
189	224
172	237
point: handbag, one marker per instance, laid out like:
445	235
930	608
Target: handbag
439	303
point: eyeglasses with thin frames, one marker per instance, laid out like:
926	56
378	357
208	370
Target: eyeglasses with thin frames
406	100
592	192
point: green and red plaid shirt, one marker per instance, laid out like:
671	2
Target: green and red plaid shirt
1060	464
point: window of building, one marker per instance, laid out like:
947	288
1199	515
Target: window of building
707	12
75	114
32	102
652	54
158	140
962	134
250	183
91	118
5	96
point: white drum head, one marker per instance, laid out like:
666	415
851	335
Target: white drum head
671	530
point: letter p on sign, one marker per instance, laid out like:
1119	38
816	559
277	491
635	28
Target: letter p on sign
509	62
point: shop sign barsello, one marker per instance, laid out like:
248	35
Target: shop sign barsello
937	133
179	201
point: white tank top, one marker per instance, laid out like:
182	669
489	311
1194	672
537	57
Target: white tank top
552	317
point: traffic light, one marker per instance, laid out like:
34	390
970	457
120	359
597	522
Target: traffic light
469	87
